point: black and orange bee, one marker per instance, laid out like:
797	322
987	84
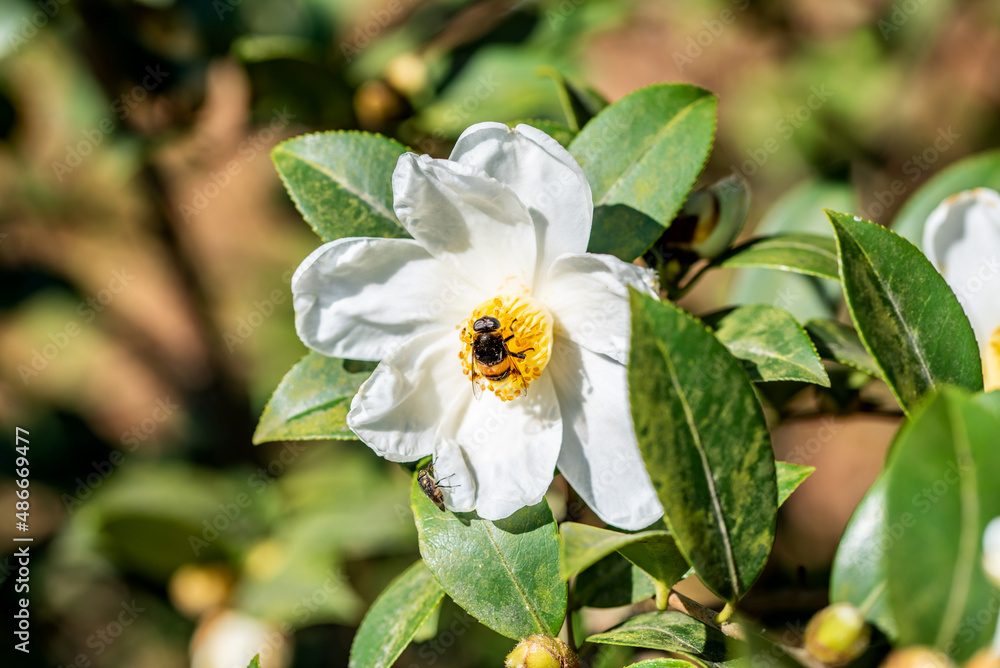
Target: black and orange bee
491	358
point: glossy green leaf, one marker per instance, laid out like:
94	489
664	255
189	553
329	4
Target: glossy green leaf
705	443
906	315
840	343
789	477
977	171
612	582
859	567
661	663
642	155
771	344
582	546
341	182
669	631
942	489
395	617
255	662
310	402
809	254
799	211
504	573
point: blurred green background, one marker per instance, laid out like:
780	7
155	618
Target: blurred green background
146	248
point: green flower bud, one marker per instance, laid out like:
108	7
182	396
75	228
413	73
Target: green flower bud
540	651
837	634
917	657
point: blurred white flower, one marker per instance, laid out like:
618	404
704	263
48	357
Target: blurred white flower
495	290
962	240
991	551
230	639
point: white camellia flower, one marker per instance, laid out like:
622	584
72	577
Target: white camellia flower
962	240
503	343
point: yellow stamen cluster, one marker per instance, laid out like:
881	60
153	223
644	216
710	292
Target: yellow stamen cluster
991	362
530	325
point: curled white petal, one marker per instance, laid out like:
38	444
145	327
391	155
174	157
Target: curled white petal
466	219
588	296
500	456
398	409
361	298
962	240
600	455
543	174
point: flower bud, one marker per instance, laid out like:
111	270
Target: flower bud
718	229
540	651
917	657
837	634
991	551
984	658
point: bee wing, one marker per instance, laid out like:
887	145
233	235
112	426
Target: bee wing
477	387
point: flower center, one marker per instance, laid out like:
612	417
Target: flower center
508	342
991	363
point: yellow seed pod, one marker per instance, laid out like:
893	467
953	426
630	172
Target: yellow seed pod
917	657
539	651
837	634
984	658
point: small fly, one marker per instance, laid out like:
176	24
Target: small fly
431	487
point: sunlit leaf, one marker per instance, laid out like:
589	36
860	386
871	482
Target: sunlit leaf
840	343
504	573
670	631
790	476
906	315
809	254
705	443
395	617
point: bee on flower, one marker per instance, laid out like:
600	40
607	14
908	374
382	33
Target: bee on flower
502	344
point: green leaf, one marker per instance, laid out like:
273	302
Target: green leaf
642	155
790	476
582	546
809	254
504	573
798	211
661	663
906	315
310	402
612	582
255	662
771	344
705	443
395	617
858	576
840	343
977	171
942	490
989	401
341	182
670	631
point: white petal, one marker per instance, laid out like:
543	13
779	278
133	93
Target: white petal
991	551
962	240
544	175
398	409
588	297
467	220
362	298
600	456
501	455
